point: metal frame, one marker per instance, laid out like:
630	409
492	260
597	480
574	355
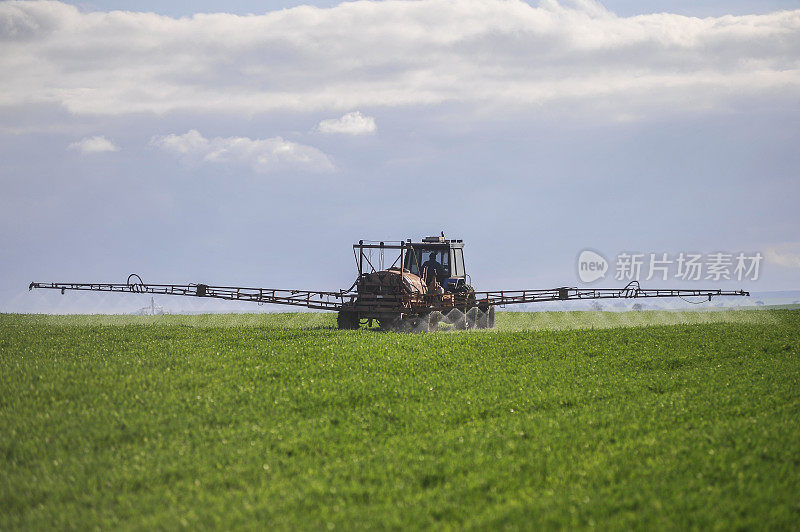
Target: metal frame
298	298
632	290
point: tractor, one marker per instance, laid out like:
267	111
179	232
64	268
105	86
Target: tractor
401	286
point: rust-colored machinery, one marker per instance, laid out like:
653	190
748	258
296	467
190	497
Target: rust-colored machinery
423	287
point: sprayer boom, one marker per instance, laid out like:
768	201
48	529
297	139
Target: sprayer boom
298	298
632	290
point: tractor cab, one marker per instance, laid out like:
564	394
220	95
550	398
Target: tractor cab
439	256
435	255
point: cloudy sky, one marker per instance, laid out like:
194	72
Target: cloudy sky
251	143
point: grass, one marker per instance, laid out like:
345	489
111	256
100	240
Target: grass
558	420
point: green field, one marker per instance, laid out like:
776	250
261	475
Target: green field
558	420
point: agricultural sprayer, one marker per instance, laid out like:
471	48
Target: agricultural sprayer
423	286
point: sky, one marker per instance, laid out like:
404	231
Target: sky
252	143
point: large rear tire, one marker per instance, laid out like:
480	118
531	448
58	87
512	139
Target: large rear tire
389	324
347	320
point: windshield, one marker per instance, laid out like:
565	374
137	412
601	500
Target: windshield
437	259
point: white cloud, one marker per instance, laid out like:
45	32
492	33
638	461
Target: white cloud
497	54
787	255
350	124
98	144
262	155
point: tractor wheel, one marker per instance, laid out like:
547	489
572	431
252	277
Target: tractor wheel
404	325
389	324
347	320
